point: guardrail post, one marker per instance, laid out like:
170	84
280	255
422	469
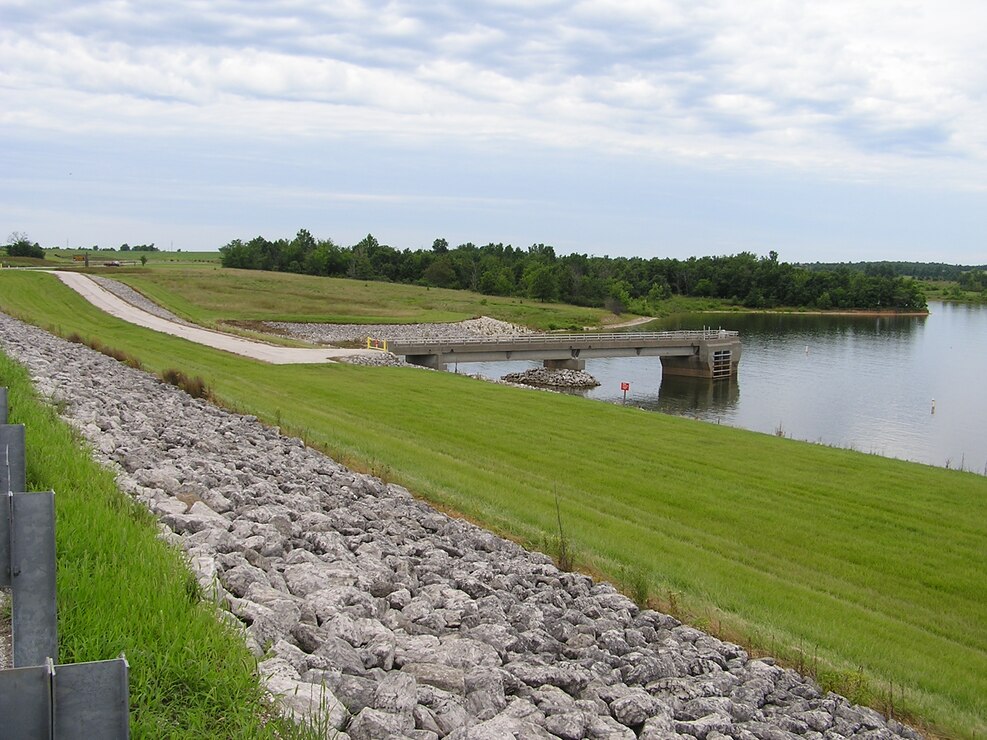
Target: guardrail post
31	535
25	701
67	702
91	700
12	478
12	468
39	699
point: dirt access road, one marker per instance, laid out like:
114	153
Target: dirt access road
103	299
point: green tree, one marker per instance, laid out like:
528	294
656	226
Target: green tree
440	273
542	283
21	246
496	281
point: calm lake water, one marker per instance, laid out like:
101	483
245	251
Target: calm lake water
866	383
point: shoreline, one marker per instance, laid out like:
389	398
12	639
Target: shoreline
816	312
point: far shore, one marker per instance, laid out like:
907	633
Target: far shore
808	312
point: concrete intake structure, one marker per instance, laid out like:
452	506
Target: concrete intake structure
710	353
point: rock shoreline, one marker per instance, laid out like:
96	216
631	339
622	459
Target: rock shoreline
482	326
385	618
561	378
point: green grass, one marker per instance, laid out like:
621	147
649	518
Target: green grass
154	259
207	295
121	589
871	571
949	290
8	261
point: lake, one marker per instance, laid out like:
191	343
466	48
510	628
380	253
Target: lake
901	386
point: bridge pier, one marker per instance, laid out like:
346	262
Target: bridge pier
570	364
715	358
431	361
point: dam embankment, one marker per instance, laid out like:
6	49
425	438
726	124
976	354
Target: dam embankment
389	618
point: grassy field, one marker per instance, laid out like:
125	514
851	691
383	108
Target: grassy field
154	259
121	589
206	296
947	290
870	572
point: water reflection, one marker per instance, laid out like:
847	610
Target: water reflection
865	382
695	396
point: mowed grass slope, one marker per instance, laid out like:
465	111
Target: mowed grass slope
209	294
155	259
871	567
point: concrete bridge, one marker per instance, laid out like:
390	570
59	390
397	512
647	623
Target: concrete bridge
710	353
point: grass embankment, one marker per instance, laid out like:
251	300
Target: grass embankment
208	296
948	290
120	589
873	572
154	259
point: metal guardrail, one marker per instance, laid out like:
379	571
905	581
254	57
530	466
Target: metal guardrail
564	339
39	698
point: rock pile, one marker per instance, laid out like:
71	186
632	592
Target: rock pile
482	326
553	378
376	359
388	619
131	296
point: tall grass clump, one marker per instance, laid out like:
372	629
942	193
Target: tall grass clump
117	354
194	386
121	589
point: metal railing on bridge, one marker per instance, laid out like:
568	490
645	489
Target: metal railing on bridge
564	339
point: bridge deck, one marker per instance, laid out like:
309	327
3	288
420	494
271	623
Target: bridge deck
682	352
616	340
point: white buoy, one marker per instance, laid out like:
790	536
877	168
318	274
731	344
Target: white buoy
933	405
807	349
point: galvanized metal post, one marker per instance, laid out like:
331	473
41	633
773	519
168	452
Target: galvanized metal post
66	702
32	570
12	478
91	700
13	474
25	701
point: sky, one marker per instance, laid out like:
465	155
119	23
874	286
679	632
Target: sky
825	131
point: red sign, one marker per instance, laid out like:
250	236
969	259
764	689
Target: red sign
625	386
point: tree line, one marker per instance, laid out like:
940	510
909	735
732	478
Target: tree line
918	270
619	283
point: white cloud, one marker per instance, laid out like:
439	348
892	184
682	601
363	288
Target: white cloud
842	88
880	66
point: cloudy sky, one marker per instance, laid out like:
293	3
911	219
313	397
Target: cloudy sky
837	130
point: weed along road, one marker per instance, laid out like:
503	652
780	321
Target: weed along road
106	301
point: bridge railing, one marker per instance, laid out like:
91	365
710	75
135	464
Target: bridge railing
515	339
